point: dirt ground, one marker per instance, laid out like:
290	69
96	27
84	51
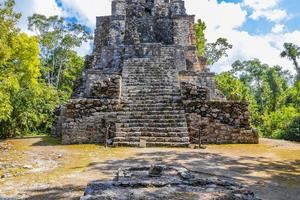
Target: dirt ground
41	168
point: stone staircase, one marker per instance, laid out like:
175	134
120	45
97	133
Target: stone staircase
152	104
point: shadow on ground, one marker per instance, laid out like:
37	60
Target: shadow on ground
271	170
270	180
54	193
47	141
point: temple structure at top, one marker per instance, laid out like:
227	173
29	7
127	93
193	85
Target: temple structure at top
144	84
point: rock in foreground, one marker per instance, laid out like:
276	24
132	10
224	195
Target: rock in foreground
172	183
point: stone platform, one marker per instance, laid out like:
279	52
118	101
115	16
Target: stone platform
165	182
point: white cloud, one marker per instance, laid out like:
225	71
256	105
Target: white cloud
266	48
225	19
29	7
275	15
260	4
87	10
265	9
224	15
278	28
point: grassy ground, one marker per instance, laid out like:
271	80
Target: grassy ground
41	168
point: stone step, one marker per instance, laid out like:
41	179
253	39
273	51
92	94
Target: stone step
153	129
147	83
151	77
136	80
176	91
151	116
171	112
145	109
143	84
152	144
157	89
151	87
151	73
149	65
151	134
151	124
149	60
152	139
152	108
149	94
153	105
151	102
141	98
139	84
145	91
150	70
154	120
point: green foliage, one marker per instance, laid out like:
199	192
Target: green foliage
236	90
265	82
200	27
8	20
277	122
278	104
57	39
292	52
37	73
26	102
71	74
292	131
215	51
232	87
274	86
292	96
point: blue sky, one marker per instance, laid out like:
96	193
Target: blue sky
256	28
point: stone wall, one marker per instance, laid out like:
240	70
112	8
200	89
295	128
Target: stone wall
193	92
86	120
101	33
219	122
103	86
200	79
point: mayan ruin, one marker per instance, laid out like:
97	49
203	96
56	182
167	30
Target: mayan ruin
144	85
149	100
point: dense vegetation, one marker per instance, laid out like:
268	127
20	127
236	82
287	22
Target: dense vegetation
37	72
273	93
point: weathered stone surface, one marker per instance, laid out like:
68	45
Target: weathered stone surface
145	82
170	183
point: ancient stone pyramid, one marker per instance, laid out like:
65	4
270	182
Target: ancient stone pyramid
145	85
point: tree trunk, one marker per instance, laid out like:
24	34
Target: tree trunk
58	74
52	71
297	68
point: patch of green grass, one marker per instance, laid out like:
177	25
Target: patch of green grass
50	141
35	134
